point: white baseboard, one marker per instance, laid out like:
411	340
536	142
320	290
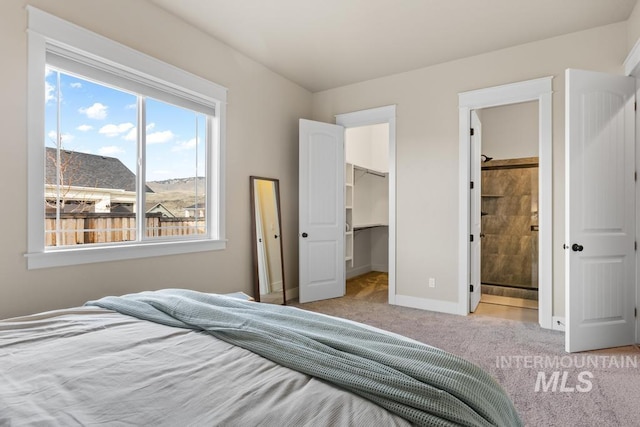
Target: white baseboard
428	304
558	323
276	286
384	268
292	293
357	271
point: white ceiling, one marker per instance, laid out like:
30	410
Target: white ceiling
322	44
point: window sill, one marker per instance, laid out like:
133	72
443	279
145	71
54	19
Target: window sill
86	255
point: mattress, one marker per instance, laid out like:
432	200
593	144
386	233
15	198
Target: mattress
91	365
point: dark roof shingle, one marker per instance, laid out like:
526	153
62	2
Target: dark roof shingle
89	170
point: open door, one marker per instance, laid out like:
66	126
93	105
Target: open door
600	210
322	213
475	289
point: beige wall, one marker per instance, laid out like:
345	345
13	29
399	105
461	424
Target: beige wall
510	131
262	128
262	124
368	146
633	31
427	144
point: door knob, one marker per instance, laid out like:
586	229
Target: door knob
577	248
305	235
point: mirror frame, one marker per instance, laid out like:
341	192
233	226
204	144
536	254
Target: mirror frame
256	275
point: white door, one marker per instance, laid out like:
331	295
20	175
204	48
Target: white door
600	213
322	213
476	214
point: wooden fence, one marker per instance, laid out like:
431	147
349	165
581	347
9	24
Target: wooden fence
86	228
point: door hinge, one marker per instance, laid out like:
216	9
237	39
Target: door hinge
471	288
635	312
472	185
471	238
471	132
635	245
635	176
635	106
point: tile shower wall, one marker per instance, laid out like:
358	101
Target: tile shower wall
509	223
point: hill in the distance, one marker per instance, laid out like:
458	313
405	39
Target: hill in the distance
176	193
178	184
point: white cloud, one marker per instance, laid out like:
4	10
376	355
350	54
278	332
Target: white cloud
112	130
160	137
132	135
131	106
84	128
76	85
110	150
97	111
184	145
48	91
65	137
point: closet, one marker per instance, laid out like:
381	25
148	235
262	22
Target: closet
367	199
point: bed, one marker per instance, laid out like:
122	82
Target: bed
180	357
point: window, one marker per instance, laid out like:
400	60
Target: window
124	151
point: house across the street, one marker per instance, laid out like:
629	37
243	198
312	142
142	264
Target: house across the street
89	183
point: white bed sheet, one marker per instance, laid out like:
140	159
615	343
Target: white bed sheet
90	366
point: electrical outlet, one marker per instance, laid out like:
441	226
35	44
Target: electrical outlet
432	282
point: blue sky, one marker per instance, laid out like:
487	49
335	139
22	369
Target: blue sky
101	120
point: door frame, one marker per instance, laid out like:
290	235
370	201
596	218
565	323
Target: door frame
475	211
374	116
531	90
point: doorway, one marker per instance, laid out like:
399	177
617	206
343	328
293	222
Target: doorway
508	165
370	197
367	199
322	213
532	90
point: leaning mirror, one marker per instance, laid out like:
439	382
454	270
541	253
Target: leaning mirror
268	263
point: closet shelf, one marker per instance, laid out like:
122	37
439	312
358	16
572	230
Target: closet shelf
365	226
371	171
492	195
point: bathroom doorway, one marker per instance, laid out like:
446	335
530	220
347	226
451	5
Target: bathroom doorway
509	200
540	91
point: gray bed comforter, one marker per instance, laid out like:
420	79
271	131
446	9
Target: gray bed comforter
422	384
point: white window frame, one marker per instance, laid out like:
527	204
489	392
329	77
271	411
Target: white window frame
50	33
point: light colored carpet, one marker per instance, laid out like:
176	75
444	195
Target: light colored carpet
492	342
